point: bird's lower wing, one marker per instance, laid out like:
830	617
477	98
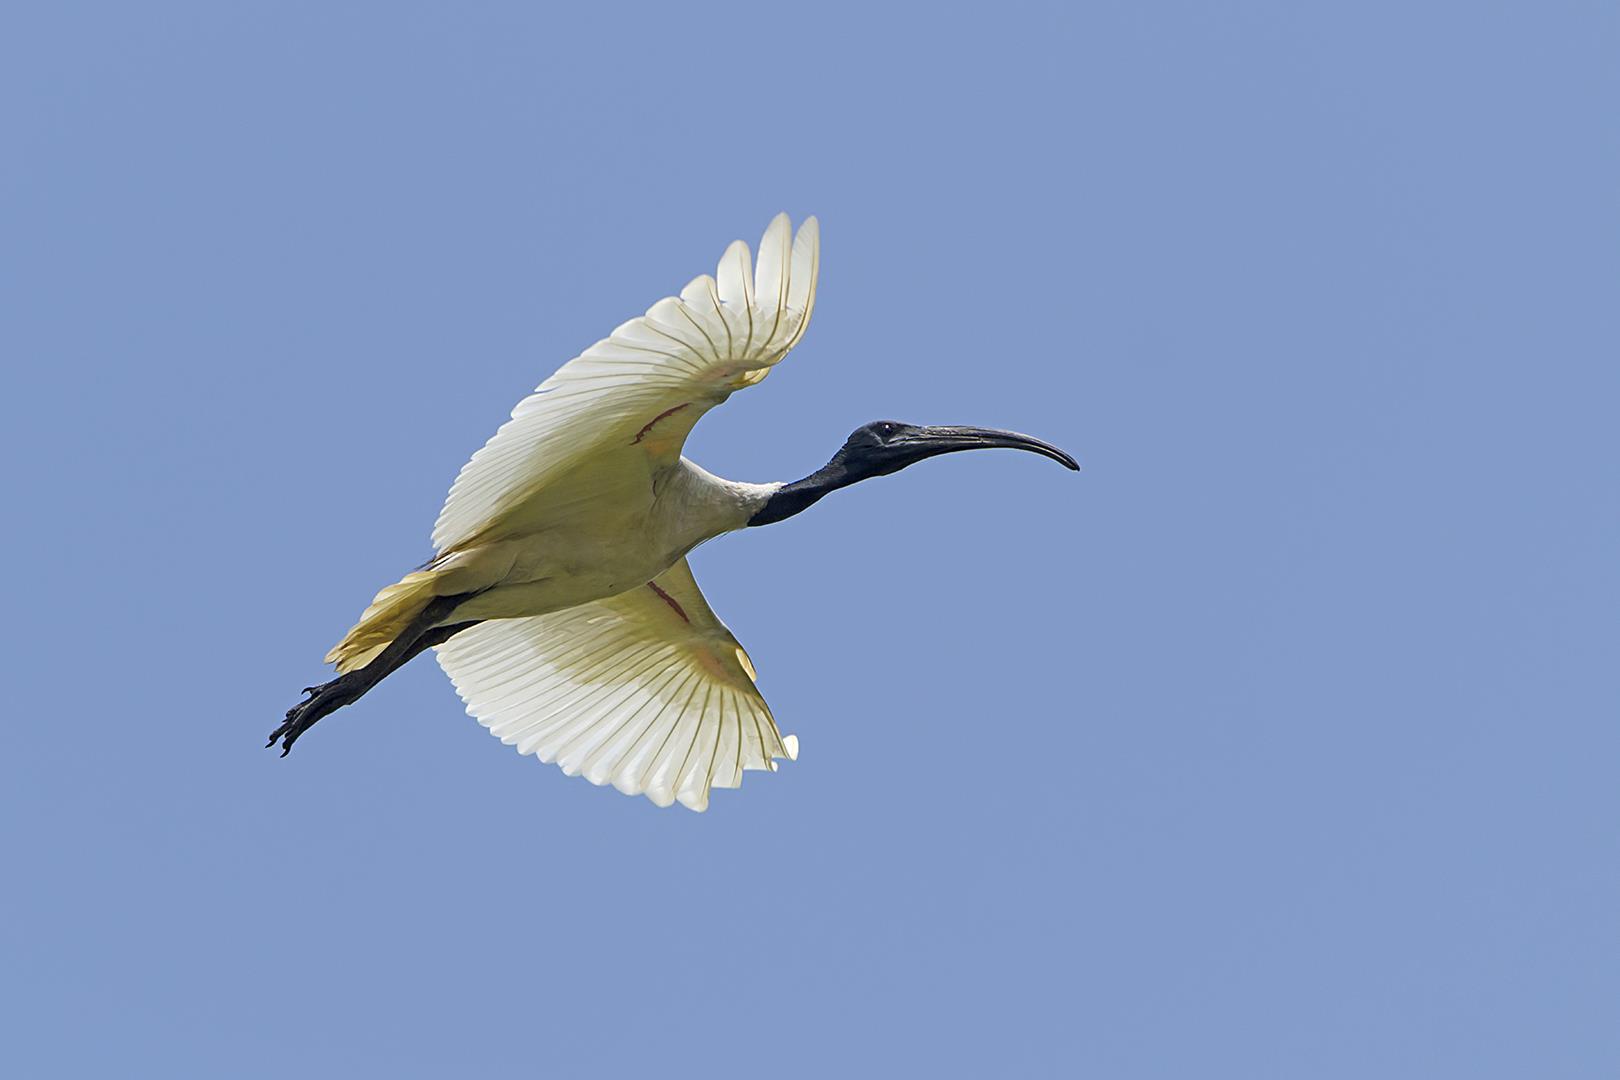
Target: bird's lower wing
646	690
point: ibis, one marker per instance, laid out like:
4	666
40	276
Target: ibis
559	599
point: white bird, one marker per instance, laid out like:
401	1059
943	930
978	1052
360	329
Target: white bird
560	602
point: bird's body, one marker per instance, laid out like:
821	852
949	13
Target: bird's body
591	540
559	600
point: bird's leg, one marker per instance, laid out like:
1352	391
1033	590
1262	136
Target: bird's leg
328	697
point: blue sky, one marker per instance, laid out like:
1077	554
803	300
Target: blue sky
1279	742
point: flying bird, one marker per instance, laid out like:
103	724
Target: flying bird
559	600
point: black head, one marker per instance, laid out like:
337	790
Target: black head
886	446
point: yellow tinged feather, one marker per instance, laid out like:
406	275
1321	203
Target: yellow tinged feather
388	614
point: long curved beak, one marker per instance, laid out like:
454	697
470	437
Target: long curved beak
928	441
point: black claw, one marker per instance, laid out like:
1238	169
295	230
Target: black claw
322	699
278	733
423	632
291	727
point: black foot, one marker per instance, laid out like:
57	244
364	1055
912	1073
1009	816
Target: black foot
323	699
420	634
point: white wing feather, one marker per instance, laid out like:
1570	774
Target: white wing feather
646	690
684	356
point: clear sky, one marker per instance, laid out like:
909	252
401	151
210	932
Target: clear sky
1279	742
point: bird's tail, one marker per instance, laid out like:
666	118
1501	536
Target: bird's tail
389	614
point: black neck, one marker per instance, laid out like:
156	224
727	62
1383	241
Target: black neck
790	499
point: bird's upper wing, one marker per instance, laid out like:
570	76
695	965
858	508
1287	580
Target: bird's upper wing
648	383
647	690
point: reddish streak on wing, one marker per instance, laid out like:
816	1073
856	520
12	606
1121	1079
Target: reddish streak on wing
668	599
651	423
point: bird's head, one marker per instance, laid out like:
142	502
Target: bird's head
887	446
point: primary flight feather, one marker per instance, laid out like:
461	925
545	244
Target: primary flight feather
559	600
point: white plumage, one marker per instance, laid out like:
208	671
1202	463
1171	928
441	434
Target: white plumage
646	690
571	526
688	353
559	599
